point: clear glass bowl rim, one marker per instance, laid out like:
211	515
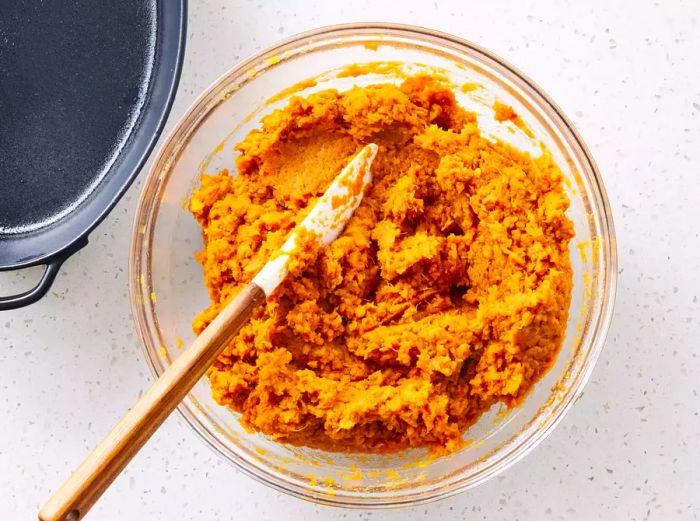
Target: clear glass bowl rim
149	204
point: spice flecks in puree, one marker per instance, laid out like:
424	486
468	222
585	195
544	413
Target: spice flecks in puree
447	292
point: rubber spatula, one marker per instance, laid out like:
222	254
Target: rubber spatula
326	220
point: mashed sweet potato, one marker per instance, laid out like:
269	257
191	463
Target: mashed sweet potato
447	292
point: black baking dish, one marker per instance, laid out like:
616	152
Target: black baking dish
85	89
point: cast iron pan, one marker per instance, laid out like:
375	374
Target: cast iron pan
85	89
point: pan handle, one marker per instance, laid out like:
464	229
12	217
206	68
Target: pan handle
53	264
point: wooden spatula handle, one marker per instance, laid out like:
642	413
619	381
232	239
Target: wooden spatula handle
96	473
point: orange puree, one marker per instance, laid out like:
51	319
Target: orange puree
448	291
504	112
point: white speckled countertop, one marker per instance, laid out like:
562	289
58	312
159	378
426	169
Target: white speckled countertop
627	73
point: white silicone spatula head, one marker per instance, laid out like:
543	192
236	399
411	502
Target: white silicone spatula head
327	218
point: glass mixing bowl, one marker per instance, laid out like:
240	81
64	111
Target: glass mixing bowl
167	288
